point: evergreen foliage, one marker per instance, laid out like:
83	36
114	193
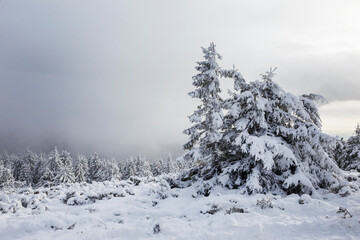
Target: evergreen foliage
350	159
207	119
268	141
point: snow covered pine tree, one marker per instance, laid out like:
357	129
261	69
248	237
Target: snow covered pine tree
269	140
350	159
207	120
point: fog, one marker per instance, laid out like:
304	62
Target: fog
112	76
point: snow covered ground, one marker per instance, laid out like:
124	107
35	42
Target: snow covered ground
151	210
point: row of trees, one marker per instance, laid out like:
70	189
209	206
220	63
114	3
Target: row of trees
261	138
31	169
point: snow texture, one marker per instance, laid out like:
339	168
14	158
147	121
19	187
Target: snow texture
151	209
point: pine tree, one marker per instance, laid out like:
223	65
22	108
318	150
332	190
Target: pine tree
66	174
142	167
81	169
112	171
6	178
170	165
157	167
205	134
129	169
16	166
350	158
27	167
96	168
5	160
55	167
38	169
274	142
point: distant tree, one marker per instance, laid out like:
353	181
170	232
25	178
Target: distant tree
170	166
129	168
157	167
96	168
16	166
5	160
142	167
207	120
112	170
351	154
6	178
81	169
66	174
39	169
337	149
55	167
27	167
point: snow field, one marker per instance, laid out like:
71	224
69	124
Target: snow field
151	210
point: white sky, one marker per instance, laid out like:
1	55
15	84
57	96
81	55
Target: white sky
112	76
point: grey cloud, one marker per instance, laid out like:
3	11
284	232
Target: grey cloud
112	76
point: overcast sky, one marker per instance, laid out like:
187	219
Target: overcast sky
112	76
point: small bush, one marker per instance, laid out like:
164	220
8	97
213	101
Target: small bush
264	203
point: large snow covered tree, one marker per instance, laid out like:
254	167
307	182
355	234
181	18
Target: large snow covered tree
274	141
268	141
207	119
350	159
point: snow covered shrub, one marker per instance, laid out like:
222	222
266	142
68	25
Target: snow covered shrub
346	213
214	209
268	140
304	199
235	210
264	203
156	228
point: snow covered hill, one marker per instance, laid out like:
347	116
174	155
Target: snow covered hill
150	209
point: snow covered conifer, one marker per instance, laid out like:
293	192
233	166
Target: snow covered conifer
6	178
16	166
81	169
129	168
274	141
96	168
205	134
66	174
350	158
27	166
39	168
170	165
5	160
157	167
142	167
112	170
55	166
